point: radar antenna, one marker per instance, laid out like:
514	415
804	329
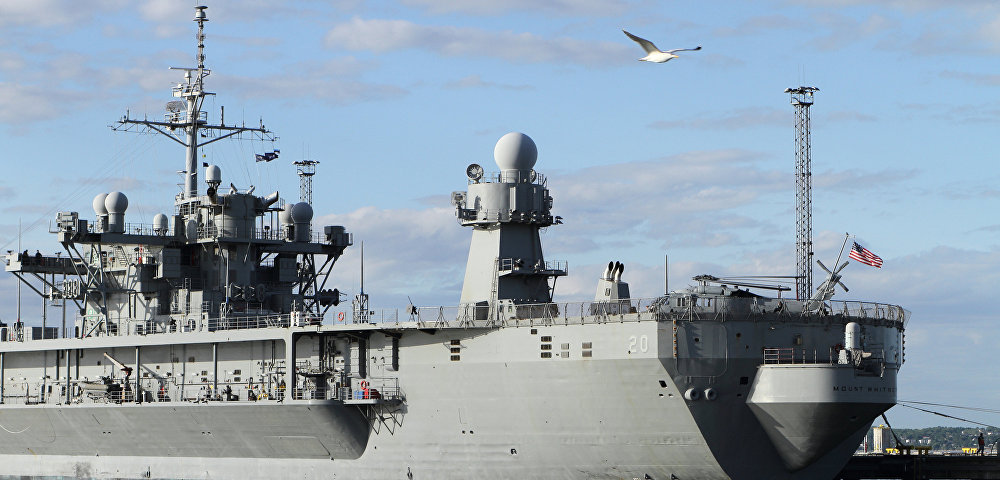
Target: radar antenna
184	119
306	169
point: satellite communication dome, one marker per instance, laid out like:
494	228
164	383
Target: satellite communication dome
116	202
99	207
515	151
213	174
285	215
302	212
160	222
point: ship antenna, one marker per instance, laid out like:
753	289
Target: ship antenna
802	99
185	118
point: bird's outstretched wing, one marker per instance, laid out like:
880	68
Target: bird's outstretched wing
645	44
684	49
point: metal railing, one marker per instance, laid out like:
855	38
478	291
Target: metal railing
505	314
515	264
512	177
866	363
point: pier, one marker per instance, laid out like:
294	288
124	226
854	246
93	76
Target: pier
921	467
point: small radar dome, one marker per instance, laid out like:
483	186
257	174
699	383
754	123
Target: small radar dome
302	212
99	207
160	224
116	202
515	151
213	174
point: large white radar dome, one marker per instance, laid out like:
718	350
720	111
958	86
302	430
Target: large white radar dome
116	202
515	151
99	207
302	212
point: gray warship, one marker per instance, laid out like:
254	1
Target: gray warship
212	344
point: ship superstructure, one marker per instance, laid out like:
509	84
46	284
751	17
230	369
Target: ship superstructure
205	347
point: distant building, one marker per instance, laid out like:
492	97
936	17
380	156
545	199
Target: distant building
881	439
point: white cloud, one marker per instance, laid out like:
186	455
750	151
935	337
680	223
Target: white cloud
476	81
336	81
50	13
21	103
554	7
749	117
383	36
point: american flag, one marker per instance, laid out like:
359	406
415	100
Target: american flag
865	256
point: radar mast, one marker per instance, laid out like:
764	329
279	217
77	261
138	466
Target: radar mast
184	119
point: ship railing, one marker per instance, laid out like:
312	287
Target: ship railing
880	311
869	362
211	324
517	315
514	265
800	356
147	229
512	176
208	232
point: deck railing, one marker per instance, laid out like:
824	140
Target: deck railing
503	314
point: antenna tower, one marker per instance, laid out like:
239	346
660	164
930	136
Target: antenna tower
802	99
306	170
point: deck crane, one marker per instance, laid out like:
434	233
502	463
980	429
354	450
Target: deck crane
126	387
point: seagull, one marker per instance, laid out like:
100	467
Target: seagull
654	54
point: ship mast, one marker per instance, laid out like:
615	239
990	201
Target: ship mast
802	99
184	119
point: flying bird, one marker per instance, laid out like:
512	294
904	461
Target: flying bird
654	54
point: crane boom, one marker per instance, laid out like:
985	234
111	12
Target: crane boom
122	366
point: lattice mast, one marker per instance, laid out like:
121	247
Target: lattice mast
306	169
802	99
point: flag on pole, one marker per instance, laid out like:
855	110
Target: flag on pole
865	256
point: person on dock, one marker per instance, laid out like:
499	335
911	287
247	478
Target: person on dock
982	442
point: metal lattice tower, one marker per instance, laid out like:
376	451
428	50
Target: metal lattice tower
802	99
306	169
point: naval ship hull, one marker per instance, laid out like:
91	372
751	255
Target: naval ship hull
199	349
503	409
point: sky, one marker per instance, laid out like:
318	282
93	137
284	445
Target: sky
693	159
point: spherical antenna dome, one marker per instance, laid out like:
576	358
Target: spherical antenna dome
302	212
160	221
99	207
515	151
213	174
285	215
116	202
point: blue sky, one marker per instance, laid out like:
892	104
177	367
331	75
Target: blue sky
692	158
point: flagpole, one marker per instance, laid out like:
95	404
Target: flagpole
846	236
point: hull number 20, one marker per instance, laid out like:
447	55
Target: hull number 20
638	344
